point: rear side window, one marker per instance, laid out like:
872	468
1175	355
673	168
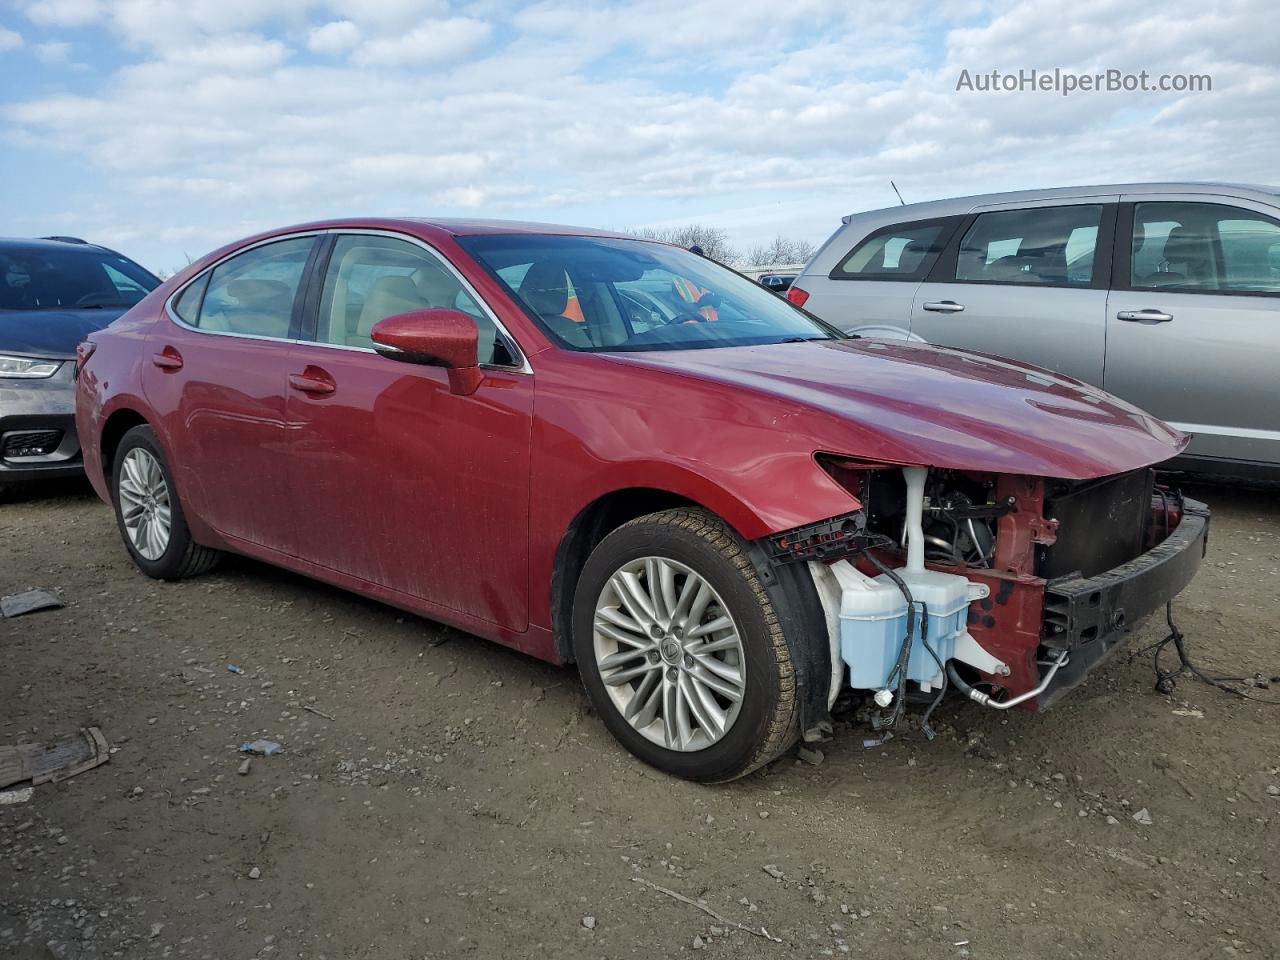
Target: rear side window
253	293
1204	247
1049	246
904	251
187	306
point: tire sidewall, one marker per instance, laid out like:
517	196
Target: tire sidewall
733	754
169	563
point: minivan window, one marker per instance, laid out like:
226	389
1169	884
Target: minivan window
904	251
371	278
1204	247
1050	246
253	292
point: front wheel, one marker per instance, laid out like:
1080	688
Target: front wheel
149	514
680	648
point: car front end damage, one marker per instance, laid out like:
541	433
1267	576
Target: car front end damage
1010	589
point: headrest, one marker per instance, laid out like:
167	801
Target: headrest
545	288
438	288
1184	245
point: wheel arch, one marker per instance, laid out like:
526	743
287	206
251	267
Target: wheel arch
592	524
120	422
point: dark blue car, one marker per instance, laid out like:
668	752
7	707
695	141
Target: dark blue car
53	292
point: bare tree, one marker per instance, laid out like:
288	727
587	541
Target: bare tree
781	250
715	244
713	240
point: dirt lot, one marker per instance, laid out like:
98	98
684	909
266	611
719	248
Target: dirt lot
463	800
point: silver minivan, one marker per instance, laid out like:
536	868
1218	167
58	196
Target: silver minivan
1165	294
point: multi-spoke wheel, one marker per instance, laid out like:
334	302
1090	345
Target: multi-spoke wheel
144	503
669	653
680	649
149	513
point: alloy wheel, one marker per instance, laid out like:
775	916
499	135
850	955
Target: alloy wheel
145	509
670	653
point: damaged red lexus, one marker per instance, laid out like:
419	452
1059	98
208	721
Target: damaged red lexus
609	451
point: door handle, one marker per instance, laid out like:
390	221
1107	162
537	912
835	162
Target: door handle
1144	316
312	381
167	359
944	306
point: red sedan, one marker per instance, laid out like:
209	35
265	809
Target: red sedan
610	451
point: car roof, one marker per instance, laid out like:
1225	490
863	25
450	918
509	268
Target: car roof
458	227
47	243
953	205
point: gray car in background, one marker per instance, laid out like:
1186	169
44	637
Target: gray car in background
54	291
1165	294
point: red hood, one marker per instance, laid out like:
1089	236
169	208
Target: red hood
940	407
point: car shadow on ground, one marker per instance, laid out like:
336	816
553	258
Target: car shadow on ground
39	492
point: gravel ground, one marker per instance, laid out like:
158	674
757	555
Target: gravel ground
439	796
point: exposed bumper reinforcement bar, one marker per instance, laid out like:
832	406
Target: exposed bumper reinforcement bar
1090	617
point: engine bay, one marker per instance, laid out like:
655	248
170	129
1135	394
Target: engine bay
977	582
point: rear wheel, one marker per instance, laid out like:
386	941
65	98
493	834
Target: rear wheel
680	649
149	514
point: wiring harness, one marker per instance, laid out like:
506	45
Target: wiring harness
1166	680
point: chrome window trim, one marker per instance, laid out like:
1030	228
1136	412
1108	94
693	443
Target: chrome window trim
522	367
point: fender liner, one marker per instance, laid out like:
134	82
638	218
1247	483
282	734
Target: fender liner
795	600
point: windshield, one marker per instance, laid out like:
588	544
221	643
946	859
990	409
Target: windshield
605	294
76	278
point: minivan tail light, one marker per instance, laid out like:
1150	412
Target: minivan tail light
797	296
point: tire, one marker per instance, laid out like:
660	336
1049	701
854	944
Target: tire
721	738
138	467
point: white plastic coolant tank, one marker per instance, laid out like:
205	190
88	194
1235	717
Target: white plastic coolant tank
947	598
873	624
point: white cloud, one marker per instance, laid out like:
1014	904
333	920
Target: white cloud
389	15
432	42
764	117
54	51
336	37
62	13
233	53
9	39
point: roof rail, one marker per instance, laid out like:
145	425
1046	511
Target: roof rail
66	239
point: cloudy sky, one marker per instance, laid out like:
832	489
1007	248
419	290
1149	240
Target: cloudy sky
166	127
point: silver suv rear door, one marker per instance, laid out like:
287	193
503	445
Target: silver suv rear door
1193	321
864	278
1026	280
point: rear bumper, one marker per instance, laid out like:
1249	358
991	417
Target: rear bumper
1091	617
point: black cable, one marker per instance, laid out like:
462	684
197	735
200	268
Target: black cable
924	640
899	670
1166	680
929	732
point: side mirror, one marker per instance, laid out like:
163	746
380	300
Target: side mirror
439	338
